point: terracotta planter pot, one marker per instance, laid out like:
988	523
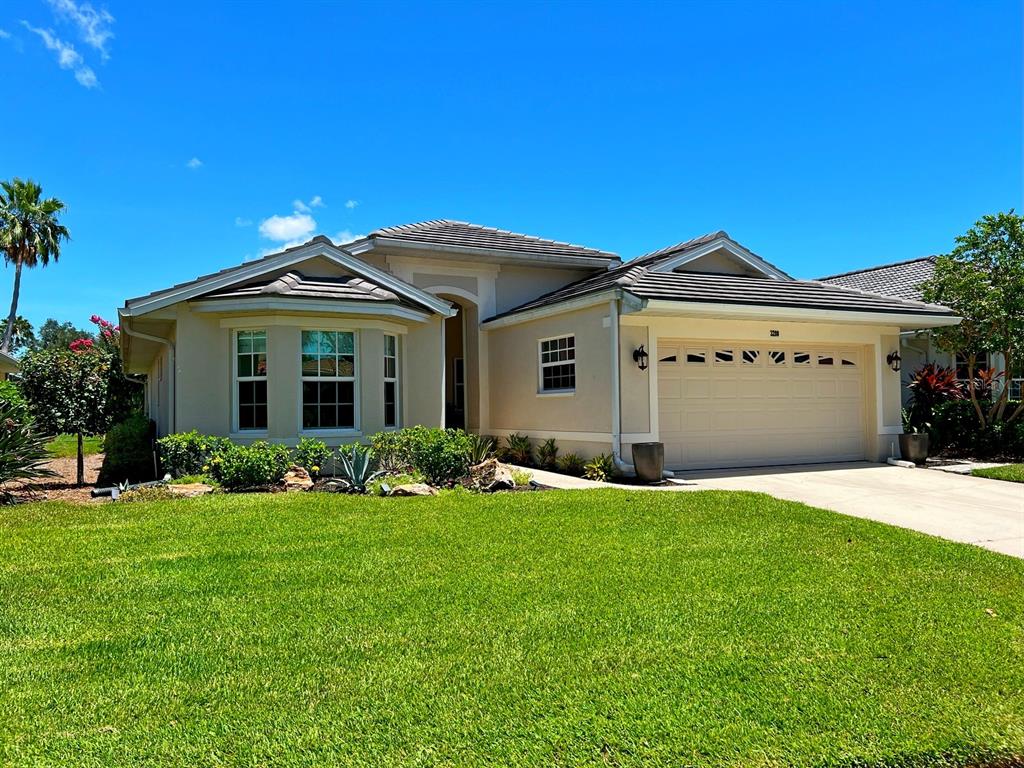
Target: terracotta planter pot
914	448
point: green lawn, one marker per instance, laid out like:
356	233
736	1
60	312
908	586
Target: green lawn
64	446
1012	472
613	627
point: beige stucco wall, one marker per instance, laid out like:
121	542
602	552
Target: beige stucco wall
423	385
516	403
518	285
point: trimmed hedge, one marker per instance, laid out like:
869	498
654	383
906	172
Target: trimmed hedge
954	430
128	451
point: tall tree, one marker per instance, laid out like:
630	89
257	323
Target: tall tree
56	335
23	337
30	234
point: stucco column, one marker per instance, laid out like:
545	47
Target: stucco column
371	381
283	382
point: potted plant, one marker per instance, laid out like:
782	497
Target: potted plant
914	440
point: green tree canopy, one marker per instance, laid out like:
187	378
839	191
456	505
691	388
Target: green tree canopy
982	280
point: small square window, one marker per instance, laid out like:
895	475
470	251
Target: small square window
558	364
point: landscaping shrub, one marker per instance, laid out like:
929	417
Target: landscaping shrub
547	454
13	402
23	453
190	453
391	453
128	451
441	455
599	468
571	464
481	448
312	455
257	465
518	449
954	430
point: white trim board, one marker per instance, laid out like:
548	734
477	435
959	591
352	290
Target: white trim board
260	304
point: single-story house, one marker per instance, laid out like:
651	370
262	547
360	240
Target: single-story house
8	365
703	346
903	279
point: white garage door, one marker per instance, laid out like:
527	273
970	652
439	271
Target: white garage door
741	404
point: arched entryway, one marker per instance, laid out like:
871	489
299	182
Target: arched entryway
461	352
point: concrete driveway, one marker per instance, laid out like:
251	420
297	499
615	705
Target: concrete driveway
974	510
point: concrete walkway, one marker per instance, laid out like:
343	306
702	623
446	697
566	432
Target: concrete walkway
973	510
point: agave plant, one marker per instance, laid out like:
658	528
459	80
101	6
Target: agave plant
355	467
480	448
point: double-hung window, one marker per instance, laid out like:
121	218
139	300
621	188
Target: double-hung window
980	364
251	379
328	380
558	364
390	380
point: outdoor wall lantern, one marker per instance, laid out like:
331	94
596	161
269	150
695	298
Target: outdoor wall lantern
640	357
893	359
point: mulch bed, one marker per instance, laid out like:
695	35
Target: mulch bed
62	487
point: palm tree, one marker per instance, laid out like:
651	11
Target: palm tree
30	234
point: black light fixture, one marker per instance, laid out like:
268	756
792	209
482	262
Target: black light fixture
640	357
893	359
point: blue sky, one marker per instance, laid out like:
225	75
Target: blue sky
823	136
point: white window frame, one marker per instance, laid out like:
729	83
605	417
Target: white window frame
391	380
978	365
236	428
355	429
541	365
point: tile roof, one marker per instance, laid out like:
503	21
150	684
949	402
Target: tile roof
297	285
461	234
902	279
639	278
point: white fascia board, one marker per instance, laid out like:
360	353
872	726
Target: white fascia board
630	304
497	256
309	306
720	244
283	260
796	314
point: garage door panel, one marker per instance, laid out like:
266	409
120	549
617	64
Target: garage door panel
721	414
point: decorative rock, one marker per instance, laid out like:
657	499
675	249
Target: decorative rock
188	490
413	489
297	479
491	475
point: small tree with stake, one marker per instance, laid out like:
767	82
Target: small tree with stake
67	392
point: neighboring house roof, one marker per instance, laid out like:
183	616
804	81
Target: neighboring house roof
642	279
463	235
9	363
902	279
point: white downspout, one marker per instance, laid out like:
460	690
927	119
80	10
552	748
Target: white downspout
622	466
127	328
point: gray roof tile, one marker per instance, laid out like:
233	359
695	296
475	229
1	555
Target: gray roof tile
294	284
639	278
902	279
461	234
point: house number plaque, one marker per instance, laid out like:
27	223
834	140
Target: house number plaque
773	333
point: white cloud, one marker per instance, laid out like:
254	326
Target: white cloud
290	230
93	26
316	202
350	204
345	236
194	163
241	221
67	56
4	34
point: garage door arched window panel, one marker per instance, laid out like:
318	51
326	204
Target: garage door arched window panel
251	380
557	364
750	357
777	356
724	357
668	355
849	360
696	356
801	358
826	358
328	380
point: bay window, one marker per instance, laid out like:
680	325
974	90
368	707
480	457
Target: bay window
328	380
